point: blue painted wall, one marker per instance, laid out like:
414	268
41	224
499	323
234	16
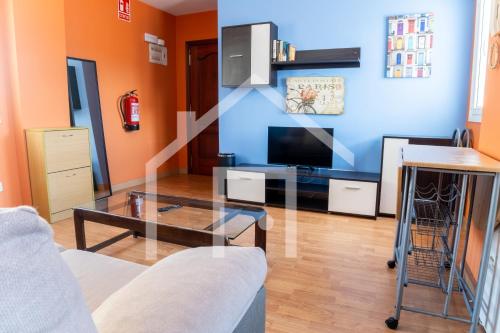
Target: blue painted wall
374	105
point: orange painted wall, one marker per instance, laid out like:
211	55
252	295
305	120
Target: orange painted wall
489	141
37	36
190	27
36	80
9	175
121	54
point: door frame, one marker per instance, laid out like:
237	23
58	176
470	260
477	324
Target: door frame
188	84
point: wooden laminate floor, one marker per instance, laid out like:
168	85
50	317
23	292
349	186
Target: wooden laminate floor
339	281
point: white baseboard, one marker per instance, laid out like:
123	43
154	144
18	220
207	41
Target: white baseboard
141	181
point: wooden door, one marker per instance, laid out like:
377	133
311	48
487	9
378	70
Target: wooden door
202	95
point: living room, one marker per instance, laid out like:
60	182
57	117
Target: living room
342	158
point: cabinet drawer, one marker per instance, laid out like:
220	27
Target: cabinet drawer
352	197
66	214
68	189
246	186
66	150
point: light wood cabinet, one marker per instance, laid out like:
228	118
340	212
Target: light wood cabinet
60	170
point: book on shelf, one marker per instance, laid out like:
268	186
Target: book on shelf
275	50
291	53
283	51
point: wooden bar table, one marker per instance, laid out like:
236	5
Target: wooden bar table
429	231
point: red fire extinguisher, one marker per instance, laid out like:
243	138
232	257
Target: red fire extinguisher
129	110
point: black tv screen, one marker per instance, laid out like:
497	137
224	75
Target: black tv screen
300	146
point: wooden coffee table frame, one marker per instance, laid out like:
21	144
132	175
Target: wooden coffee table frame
167	233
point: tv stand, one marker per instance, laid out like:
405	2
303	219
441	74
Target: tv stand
320	190
303	167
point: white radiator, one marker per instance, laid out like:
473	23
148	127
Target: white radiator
490	312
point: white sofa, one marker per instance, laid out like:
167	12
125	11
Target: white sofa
190	291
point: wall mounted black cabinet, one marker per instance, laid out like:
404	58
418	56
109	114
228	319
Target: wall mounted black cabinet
246	55
326	58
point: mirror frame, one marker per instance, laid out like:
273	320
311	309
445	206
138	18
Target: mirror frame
72	121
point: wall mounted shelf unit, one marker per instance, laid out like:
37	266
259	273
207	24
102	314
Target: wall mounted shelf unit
247	56
326	58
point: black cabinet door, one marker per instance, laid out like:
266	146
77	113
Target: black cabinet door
431	141
236	55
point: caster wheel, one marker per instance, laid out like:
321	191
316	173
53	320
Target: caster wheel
392	323
391	264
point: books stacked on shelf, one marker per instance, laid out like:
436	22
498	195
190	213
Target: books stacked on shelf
283	51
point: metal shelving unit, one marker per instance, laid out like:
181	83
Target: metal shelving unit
427	249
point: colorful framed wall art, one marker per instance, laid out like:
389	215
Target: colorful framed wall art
409	46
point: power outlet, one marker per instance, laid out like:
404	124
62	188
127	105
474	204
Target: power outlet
1	187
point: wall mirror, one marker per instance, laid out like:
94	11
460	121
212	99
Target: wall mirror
85	111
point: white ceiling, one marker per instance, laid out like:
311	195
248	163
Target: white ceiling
182	7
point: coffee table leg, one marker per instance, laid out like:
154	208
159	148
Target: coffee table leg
261	233
81	243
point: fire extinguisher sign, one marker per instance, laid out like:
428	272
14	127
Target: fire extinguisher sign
124	10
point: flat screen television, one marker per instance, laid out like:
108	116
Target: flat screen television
299	146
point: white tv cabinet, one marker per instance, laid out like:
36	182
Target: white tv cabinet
323	190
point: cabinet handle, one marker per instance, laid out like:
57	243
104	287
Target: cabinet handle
353	188
235	55
67	135
69	176
245	178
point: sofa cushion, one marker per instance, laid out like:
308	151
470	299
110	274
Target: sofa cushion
190	291
38	293
99	276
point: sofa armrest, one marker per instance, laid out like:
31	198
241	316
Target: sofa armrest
59	247
190	291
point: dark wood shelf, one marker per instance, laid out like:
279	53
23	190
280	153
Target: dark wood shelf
325	58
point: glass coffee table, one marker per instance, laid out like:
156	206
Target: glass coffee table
184	221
